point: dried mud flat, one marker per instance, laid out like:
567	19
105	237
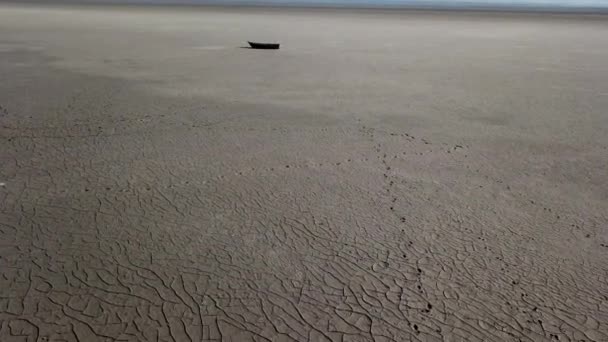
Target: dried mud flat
385	177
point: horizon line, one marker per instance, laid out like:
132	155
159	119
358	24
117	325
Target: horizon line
439	6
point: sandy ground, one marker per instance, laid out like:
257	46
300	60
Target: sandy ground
386	177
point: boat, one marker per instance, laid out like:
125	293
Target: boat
266	46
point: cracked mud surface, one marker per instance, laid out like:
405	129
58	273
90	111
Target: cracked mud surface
445	182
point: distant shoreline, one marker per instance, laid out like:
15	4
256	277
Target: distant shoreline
393	8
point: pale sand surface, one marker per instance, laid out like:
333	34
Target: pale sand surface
386	177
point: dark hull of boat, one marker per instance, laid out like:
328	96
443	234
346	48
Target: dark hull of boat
266	46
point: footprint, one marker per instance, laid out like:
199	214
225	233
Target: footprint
379	266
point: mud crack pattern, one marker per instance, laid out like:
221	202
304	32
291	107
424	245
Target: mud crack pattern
130	216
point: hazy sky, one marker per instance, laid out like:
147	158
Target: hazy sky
558	4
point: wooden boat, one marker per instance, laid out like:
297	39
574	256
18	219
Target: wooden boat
266	46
